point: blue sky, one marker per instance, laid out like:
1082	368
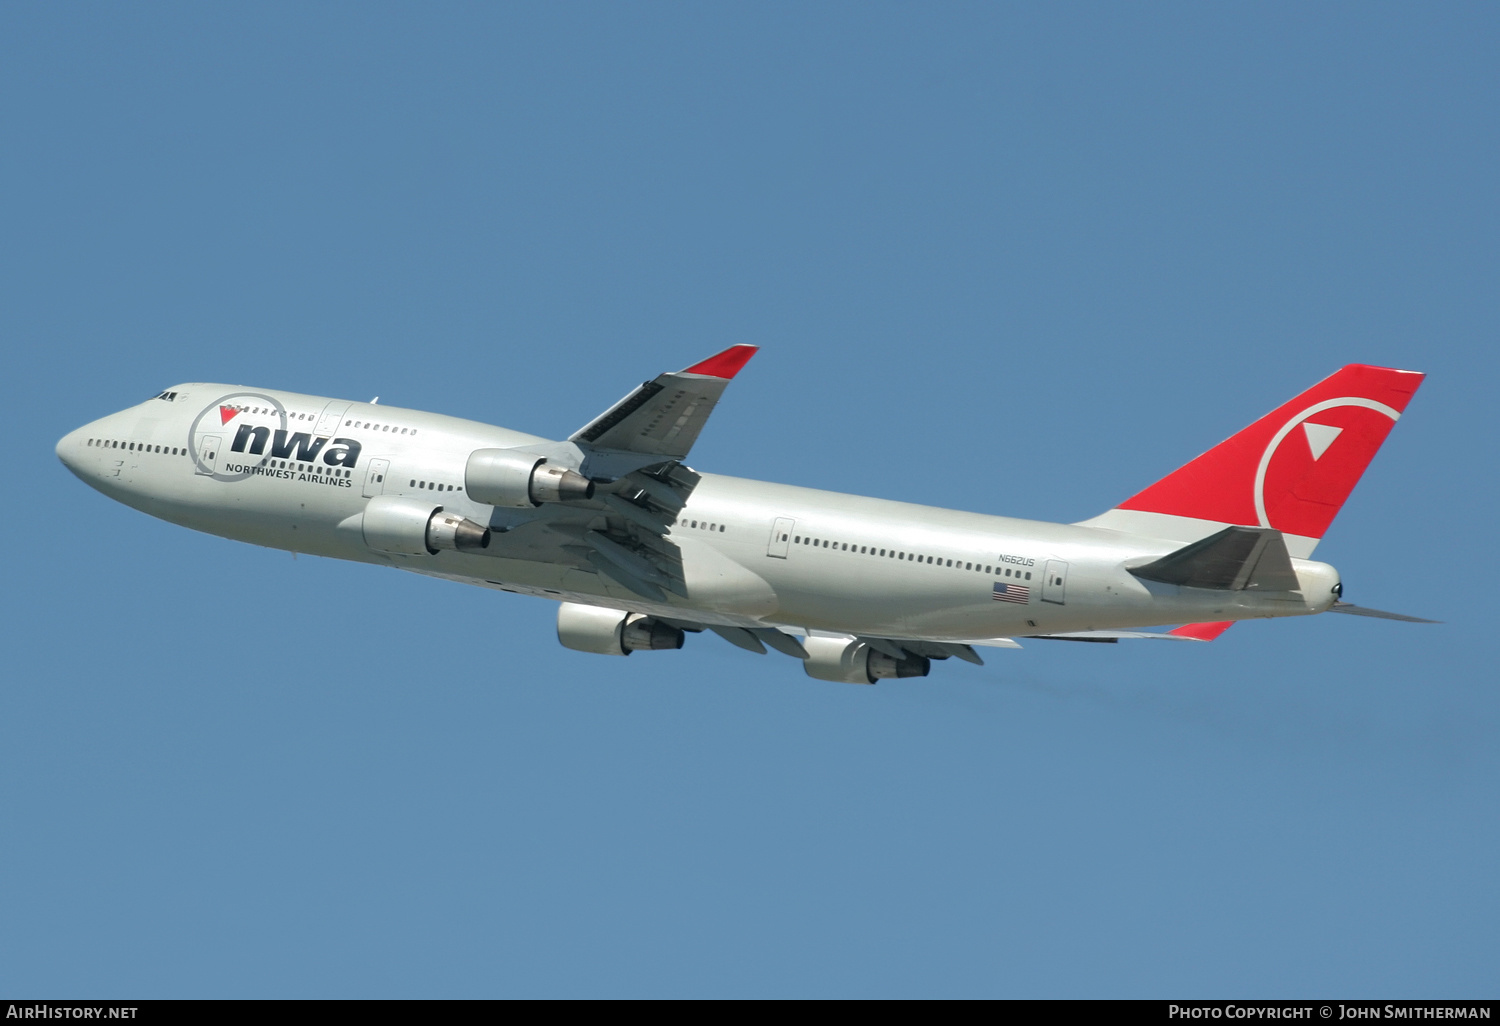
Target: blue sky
1015	259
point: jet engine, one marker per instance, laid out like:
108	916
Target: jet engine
855	662
509	477
612	631
415	527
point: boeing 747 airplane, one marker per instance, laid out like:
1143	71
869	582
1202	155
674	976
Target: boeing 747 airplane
639	549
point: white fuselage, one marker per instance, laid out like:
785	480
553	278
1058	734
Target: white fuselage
753	553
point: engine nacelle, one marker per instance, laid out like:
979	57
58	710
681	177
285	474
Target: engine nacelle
855	662
612	631
416	527
509	477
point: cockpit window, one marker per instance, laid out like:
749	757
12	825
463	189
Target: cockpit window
168	396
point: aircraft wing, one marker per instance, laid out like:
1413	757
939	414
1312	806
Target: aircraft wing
663	417
631	452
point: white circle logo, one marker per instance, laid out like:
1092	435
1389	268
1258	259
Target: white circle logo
1320	440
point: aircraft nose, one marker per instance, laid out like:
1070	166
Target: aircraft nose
67	448
71	448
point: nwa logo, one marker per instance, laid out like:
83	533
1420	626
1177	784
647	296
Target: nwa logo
297	445
282	439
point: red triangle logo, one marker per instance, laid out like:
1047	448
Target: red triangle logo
226	414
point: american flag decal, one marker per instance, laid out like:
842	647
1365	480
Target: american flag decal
1012	593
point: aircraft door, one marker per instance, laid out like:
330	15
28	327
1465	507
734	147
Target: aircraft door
208	454
781	537
1055	583
375	477
332	419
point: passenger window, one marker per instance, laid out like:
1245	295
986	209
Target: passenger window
1028	575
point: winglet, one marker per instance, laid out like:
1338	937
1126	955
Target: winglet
726	364
1201	631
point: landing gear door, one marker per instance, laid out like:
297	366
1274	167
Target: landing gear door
208	454
375	477
781	537
1055	583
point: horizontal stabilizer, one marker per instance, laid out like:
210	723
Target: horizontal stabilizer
1234	559
1353	610
1201	631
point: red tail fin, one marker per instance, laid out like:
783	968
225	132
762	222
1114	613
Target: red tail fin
1290	470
